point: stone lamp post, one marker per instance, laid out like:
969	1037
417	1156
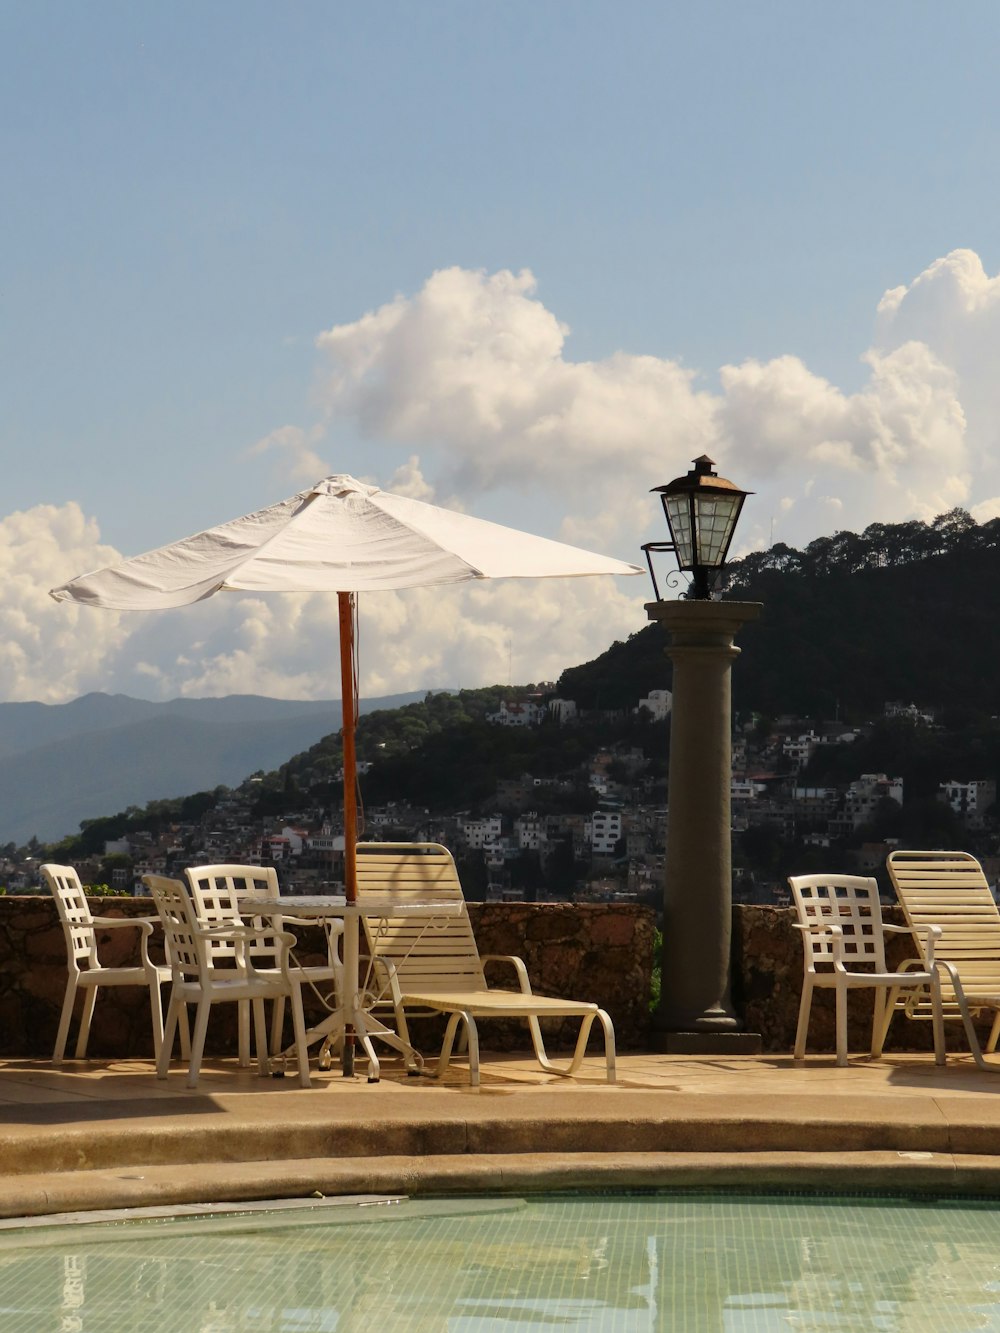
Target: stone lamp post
695	1013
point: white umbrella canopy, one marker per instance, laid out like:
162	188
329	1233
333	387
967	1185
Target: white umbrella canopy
339	536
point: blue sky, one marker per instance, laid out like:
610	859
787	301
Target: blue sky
195	194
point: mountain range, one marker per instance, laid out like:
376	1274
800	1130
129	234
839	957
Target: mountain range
64	763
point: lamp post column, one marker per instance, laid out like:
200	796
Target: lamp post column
695	1012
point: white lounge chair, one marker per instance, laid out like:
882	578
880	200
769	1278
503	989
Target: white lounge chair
950	890
86	971
218	891
196	979
435	967
840	918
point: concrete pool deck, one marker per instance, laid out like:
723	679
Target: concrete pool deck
101	1134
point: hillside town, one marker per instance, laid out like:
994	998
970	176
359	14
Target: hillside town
530	844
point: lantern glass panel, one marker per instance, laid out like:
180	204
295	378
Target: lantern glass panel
715	518
678	509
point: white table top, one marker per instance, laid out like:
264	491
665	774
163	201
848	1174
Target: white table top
335	904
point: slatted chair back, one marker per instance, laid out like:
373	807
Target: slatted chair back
75	916
216	891
850	902
949	889
430	955
188	952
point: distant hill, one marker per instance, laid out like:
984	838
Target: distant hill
901	611
67	762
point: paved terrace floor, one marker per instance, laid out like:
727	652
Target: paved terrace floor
98	1134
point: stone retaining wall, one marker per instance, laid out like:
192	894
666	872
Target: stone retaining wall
594	952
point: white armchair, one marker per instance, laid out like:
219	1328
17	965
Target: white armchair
197	980
840	918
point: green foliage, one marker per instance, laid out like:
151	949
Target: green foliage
104	891
657	977
152	818
922	756
896	612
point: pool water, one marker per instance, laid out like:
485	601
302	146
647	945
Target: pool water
739	1264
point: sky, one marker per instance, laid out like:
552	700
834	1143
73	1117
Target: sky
524	259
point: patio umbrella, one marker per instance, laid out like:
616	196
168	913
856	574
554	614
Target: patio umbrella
339	536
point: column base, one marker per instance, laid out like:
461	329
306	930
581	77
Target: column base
707	1043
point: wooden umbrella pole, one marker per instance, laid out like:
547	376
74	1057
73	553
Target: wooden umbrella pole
345	608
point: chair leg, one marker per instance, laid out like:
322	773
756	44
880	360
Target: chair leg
184	1028
198	1042
991	1043
299	1033
937	1019
882	1011
156	1013
581	1046
260	1035
802	1030
472	1033
963	1008
243	1031
278	1025
65	1018
841	993
174	1010
87	1013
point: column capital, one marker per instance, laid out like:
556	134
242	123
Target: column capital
703	622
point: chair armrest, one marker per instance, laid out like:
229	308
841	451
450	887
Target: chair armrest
241	936
144	923
516	963
826	928
929	933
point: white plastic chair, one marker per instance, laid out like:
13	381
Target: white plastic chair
86	971
840	918
217	891
197	980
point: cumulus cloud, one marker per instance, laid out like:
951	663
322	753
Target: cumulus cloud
471	382
473	372
45	653
296	445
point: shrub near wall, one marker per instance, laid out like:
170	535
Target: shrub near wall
591	951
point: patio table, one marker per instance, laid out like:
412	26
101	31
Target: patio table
353	1014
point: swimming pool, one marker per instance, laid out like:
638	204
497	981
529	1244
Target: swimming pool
742	1264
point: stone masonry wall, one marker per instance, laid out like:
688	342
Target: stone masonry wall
597	952
593	952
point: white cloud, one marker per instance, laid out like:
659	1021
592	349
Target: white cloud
471	383
473	371
45	653
304	463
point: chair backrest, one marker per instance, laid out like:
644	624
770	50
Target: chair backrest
74	914
186	949
848	901
949	889
430	955
216	891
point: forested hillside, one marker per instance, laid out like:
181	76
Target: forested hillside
901	611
